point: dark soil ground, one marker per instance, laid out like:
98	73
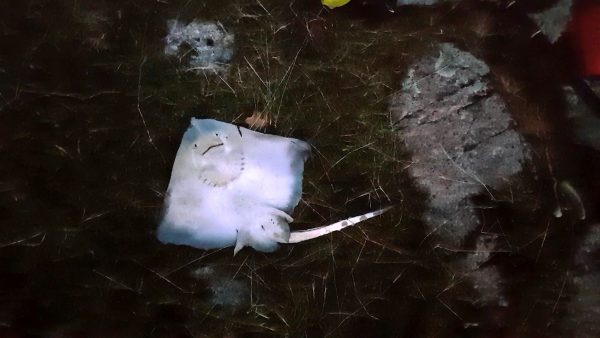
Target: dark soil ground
91	116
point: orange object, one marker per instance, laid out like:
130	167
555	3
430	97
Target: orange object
585	30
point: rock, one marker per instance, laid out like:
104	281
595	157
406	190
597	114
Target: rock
553	21
488	282
226	293
594	84
463	144
485	279
423	2
586	124
460	135
583	309
207	45
416	2
586	257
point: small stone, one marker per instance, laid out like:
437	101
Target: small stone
207	44
553	21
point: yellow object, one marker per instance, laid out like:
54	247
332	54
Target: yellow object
334	3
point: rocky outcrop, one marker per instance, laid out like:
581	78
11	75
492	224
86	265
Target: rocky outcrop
463	144
460	135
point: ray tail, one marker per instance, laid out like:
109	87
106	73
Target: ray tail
305	235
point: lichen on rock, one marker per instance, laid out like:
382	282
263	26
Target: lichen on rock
208	45
460	135
463	144
554	20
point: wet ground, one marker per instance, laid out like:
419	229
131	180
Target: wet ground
91	115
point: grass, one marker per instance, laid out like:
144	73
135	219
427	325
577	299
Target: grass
329	88
86	184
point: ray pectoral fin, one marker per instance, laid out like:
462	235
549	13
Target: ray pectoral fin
282	214
238	246
214	199
240	242
305	235
302	148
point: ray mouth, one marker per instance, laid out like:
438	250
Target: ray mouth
212	147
